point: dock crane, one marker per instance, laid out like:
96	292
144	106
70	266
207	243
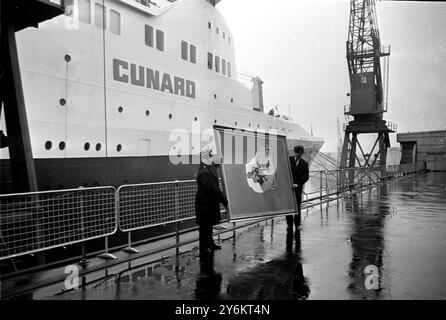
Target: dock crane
367	97
368	85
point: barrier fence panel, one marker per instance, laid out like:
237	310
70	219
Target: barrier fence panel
32	222
145	205
36	221
334	182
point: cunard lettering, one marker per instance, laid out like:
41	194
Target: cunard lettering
152	79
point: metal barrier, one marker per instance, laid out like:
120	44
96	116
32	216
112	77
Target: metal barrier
147	205
334	182
37	221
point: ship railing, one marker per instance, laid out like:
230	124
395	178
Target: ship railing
147	205
37	221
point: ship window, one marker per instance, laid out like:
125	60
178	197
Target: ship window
62	145
210	58
229	70
98	146
99	16
224	35
193	53
48	145
229	39
86	146
119	147
149	35
217	63
85	11
160	40
115	22
184	50
218	30
209	25
223	66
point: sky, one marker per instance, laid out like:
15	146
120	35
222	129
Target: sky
297	47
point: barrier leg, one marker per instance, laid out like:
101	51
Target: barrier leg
106	255
177	236
129	248
84	262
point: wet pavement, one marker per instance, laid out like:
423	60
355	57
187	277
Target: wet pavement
398	230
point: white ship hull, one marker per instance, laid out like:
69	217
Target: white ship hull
97	115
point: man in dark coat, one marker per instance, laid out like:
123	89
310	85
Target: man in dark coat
300	173
207	200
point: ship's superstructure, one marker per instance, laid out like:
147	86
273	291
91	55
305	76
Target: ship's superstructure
117	83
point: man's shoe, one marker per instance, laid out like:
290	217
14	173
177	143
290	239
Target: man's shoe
215	246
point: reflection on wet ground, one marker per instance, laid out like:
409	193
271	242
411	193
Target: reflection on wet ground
398	231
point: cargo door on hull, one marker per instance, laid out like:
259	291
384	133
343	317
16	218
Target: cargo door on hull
144	147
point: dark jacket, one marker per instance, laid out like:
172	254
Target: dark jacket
300	175
209	196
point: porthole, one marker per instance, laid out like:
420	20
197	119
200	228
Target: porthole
249	125
170	116
120	109
232	100
98	146
67	58
235	123
48	145
215	96
147	112
61	145
119	147
215	121
87	146
195	119
62	102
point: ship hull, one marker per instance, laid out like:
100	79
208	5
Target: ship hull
66	173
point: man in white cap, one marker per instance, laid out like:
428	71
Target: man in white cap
208	199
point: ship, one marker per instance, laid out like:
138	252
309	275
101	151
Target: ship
108	82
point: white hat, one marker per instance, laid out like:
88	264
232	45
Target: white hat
208	157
